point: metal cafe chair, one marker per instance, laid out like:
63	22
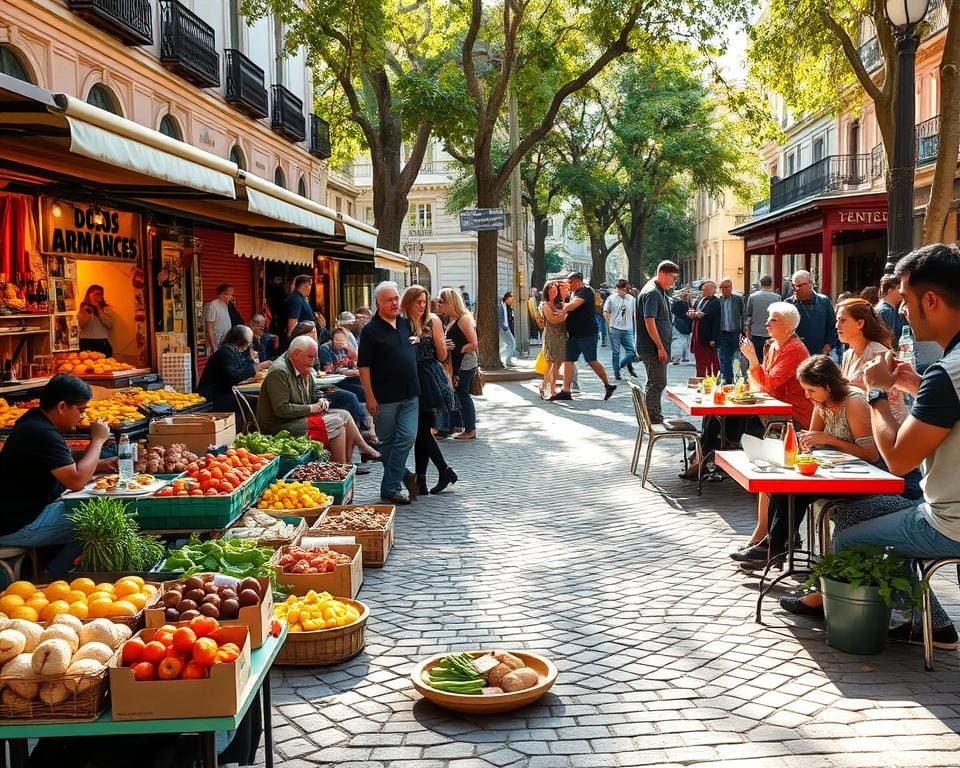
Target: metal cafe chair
248	417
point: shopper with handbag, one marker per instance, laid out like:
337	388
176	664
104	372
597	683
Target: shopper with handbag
463	345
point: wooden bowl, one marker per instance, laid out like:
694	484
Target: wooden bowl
808	468
486	705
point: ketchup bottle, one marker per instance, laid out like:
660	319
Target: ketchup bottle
790	446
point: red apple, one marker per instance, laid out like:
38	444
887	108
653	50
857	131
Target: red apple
144	670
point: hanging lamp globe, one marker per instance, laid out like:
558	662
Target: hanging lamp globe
904	14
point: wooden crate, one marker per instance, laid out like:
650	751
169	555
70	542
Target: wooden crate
376	545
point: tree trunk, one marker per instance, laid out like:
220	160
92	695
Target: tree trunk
539	274
488	331
389	200
633	245
598	260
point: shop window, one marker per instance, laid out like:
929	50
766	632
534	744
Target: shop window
236	156
302	187
12	64
279	179
169	127
101	97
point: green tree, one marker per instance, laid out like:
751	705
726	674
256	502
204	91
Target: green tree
552	262
808	51
669	235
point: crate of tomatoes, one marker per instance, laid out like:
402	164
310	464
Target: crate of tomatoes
337	569
212	492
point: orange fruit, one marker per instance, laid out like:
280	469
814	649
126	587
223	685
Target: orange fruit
98	609
125	587
84	584
54	609
56	590
79	609
104	586
76	596
98	595
137	600
9	602
22	588
122	608
24	612
38	602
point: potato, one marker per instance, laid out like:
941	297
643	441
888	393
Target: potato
68	620
12	644
30	630
61	632
495	676
82	674
96	651
51	657
519	680
54	692
13	702
21	667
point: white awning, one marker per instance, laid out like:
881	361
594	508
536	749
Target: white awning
268	250
384	259
360	236
277	203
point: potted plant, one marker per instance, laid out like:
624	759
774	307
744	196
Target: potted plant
857	585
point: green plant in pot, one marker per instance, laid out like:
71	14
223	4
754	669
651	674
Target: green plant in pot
858	586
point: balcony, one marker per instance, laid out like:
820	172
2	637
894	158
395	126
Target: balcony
427	168
878	163
837	173
320	139
870	55
426	231
928	140
937	18
187	45
761	207
244	88
287	117
130	21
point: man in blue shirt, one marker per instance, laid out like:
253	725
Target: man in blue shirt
818	322
731	328
296	308
889	305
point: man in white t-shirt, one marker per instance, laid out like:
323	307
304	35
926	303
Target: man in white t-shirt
216	318
620	312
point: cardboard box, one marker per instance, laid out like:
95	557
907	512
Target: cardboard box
345	581
220	695
256	618
197	431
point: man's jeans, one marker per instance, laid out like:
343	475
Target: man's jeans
397	429
51	528
727	350
508	346
680	346
910	535
602	329
655	384
627	340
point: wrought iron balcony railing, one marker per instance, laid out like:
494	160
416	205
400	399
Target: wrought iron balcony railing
928	140
870	55
836	173
188	45
244	87
878	162
287	116
131	21
320	140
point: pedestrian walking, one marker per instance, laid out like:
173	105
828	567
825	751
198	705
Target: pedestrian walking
554	336
508	342
653	335
582	341
620	313
463	345
817	327
599	301
387	360
755	314
706	330
682	326
536	319
731	327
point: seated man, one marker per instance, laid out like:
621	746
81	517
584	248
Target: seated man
231	364
36	460
265	344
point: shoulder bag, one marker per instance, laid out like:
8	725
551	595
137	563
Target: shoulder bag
477	382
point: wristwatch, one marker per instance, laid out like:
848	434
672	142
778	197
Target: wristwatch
875	395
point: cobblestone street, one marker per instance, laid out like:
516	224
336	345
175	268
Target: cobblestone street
548	543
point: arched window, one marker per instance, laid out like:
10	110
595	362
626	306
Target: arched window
236	156
169	127
100	96
278	178
302	187
12	64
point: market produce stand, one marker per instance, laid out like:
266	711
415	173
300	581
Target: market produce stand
261	660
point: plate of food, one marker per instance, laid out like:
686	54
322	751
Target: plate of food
745	399
138	485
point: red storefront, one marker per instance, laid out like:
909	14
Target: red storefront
840	239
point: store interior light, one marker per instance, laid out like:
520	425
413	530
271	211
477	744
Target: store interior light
904	14
56	210
98	218
151	225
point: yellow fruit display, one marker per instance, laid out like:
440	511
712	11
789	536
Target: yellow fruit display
89	364
115	413
288	495
177	400
315	611
9	413
81	598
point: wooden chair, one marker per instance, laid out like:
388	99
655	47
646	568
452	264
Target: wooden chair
683	430
926	570
11	560
247	421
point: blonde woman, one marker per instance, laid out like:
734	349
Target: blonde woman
463	345
435	392
554	336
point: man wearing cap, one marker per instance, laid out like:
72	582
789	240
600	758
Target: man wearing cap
348	321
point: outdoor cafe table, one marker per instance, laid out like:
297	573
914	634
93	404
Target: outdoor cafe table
253	388
853	478
687	400
261	660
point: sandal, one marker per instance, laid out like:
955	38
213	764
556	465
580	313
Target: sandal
365	457
466	436
361	470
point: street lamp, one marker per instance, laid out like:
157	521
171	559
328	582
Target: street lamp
413	250
903	16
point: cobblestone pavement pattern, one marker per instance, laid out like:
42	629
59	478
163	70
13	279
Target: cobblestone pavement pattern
548	543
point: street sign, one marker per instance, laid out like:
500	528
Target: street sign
478	219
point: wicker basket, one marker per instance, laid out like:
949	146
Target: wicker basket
86	704
326	646
134	622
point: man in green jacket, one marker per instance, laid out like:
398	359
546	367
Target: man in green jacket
286	395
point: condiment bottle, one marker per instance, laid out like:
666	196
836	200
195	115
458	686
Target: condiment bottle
790	446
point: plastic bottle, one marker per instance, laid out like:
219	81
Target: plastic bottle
125	460
790	446
906	346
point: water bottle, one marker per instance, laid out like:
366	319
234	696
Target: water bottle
125	461
906	346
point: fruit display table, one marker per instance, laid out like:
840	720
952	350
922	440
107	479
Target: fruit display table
262	660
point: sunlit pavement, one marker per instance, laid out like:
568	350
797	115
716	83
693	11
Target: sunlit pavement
548	543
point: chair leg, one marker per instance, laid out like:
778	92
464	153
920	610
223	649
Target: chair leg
636	452
926	619
9	571
646	463
686	462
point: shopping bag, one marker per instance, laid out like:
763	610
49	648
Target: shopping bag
540	364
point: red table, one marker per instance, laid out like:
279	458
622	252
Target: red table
686	399
836	481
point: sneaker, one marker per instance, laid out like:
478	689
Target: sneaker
756	553
561	395
944	638
400	497
630	368
793	604
609	389
618	378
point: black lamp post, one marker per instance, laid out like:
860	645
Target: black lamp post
903	16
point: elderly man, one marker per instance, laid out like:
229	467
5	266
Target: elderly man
265	344
388	371
706	330
731	326
286	395
818	322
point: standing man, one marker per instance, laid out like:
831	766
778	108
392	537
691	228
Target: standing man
682	326
465	296
755	316
388	372
706	330
620	312
508	343
296	308
654	334
599	300
731	326
582	330
889	305
536	319
216	320
818	322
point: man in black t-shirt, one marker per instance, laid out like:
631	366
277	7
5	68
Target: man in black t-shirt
582	331
296	308
37	462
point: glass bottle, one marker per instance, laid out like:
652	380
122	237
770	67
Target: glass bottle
790	446
906	346
125	461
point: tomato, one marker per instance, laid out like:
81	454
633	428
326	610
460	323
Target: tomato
226	487
132	651
211	492
181	493
232	452
195	671
227	654
205	651
192	467
196	492
216	473
170	668
204	626
203	474
144	670
183	639
154	652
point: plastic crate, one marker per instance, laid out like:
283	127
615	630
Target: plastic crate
199	512
339	490
289	463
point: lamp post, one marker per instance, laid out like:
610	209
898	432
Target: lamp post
903	16
413	250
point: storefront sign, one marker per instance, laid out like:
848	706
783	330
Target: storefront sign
482	219
89	232
875	217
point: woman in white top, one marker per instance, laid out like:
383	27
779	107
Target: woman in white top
96	319
867	336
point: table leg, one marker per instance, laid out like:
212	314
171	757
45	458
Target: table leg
208	741
267	721
788	556
18	753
